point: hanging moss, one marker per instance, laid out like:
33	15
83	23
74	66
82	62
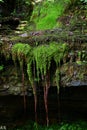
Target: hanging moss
43	55
20	51
42	58
39	57
29	71
38	60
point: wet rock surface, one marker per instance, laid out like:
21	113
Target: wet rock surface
74	74
11	82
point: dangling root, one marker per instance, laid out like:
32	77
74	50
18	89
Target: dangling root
35	101
46	106
24	97
46	88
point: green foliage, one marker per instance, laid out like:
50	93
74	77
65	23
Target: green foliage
80	125
1	67
44	54
81	58
79	55
20	51
45	14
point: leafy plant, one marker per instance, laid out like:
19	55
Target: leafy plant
1	67
79	125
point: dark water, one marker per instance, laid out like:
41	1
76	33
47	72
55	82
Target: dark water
72	107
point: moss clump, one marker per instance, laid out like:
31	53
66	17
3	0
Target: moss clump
46	13
20	51
44	54
42	57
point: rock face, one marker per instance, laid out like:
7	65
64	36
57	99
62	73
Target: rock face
73	74
11	82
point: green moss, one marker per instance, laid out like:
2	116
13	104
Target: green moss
45	53
20	51
46	13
